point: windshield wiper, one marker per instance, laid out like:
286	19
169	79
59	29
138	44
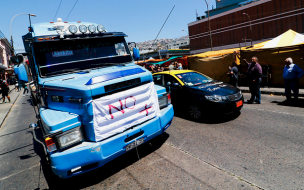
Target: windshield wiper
61	71
110	64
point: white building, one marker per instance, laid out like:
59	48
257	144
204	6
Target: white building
179	44
6	51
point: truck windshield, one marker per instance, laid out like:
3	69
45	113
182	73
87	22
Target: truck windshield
57	57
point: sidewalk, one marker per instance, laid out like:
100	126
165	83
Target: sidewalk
273	91
6	107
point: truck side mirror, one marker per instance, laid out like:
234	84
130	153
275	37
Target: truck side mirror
136	54
16	59
33	126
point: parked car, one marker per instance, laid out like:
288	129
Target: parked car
199	94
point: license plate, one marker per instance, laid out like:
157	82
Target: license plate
239	103
134	144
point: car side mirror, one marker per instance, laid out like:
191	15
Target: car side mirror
175	84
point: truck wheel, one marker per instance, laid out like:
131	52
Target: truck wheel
195	111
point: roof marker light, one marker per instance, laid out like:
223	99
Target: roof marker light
79	21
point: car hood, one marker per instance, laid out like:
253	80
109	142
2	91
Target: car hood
216	88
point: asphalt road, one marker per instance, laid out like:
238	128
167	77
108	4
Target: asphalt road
262	147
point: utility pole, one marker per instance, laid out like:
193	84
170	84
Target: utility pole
207	3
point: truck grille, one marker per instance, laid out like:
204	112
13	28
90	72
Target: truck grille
235	97
117	87
123	84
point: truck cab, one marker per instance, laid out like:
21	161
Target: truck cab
94	102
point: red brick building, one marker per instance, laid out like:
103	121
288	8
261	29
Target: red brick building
269	18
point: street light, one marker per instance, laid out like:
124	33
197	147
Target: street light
12	21
207	3
250	27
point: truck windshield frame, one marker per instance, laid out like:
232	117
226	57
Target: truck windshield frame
68	56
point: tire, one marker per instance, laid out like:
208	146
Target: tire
195	111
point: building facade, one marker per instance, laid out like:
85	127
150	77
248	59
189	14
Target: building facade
6	51
231	28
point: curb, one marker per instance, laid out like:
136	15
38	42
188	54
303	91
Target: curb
269	92
13	103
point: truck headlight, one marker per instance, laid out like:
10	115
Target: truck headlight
164	100
69	138
217	98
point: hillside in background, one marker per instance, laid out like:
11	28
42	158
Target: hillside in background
159	43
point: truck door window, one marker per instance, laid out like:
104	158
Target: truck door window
158	79
57	57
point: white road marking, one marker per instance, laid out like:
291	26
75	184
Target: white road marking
273	111
19	172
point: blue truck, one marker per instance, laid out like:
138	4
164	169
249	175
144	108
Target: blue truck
94	103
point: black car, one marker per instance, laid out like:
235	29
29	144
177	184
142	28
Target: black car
198	94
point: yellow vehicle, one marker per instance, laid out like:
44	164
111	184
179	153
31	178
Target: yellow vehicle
199	94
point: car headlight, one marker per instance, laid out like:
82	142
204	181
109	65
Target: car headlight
217	98
69	138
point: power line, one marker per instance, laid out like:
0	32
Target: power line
57	11
163	24
71	10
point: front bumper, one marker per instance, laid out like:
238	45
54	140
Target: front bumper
91	155
223	107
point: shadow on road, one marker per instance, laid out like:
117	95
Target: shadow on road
292	103
98	175
208	118
14	132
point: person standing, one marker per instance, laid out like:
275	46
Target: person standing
254	75
24	85
171	66
180	66
291	74
5	90
233	75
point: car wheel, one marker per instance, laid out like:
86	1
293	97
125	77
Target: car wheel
195	111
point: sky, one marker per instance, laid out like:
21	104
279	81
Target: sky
141	20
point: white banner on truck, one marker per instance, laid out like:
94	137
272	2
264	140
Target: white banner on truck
117	112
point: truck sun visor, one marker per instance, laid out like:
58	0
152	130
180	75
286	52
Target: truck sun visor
114	75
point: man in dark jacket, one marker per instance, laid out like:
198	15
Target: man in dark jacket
254	75
5	90
233	75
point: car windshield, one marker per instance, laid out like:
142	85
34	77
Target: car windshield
194	79
57	57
